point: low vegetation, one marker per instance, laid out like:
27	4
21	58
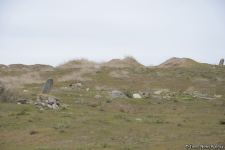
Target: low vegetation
176	105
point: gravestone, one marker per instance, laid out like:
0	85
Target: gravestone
47	86
221	62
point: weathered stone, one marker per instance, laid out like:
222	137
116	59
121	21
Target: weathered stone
77	85
136	96
161	91
145	94
117	94
22	101
55	106
221	62
47	101
47	86
98	96
218	96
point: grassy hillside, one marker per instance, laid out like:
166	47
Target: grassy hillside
184	105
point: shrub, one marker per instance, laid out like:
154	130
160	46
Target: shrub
6	94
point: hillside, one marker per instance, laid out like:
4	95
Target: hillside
127	62
79	63
179	62
116	105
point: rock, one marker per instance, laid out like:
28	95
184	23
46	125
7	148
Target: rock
47	101
221	62
136	96
218	96
159	92
117	94
200	95
47	86
98	96
138	119
77	85
55	106
52	100
145	94
22	101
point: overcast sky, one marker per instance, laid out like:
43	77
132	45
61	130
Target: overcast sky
53	31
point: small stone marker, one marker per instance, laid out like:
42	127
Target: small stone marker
47	86
221	62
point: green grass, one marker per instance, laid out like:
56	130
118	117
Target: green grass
121	124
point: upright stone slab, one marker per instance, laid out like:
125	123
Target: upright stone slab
47	86
221	62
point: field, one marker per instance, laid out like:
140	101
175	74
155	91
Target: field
184	105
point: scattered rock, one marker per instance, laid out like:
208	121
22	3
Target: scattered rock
221	62
145	94
136	96
98	96
138	119
22	101
117	94
47	101
77	85
218	96
197	94
25	91
161	91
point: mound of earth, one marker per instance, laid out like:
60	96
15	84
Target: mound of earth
41	67
178	62
3	66
80	63
127	62
22	67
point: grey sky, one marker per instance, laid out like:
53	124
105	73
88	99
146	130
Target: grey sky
53	31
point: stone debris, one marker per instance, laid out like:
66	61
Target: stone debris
218	96
47	101
98	96
117	94
200	95
139	119
23	101
145	94
161	91
77	85
136	96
